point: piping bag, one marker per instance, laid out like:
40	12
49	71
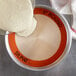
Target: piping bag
17	16
66	7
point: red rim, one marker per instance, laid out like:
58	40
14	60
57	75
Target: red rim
73	29
25	60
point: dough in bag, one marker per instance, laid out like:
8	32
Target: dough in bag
17	16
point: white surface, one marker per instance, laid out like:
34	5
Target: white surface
43	43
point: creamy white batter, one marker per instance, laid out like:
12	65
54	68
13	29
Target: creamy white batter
43	42
17	16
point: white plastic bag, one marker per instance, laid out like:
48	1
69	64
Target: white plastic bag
66	7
